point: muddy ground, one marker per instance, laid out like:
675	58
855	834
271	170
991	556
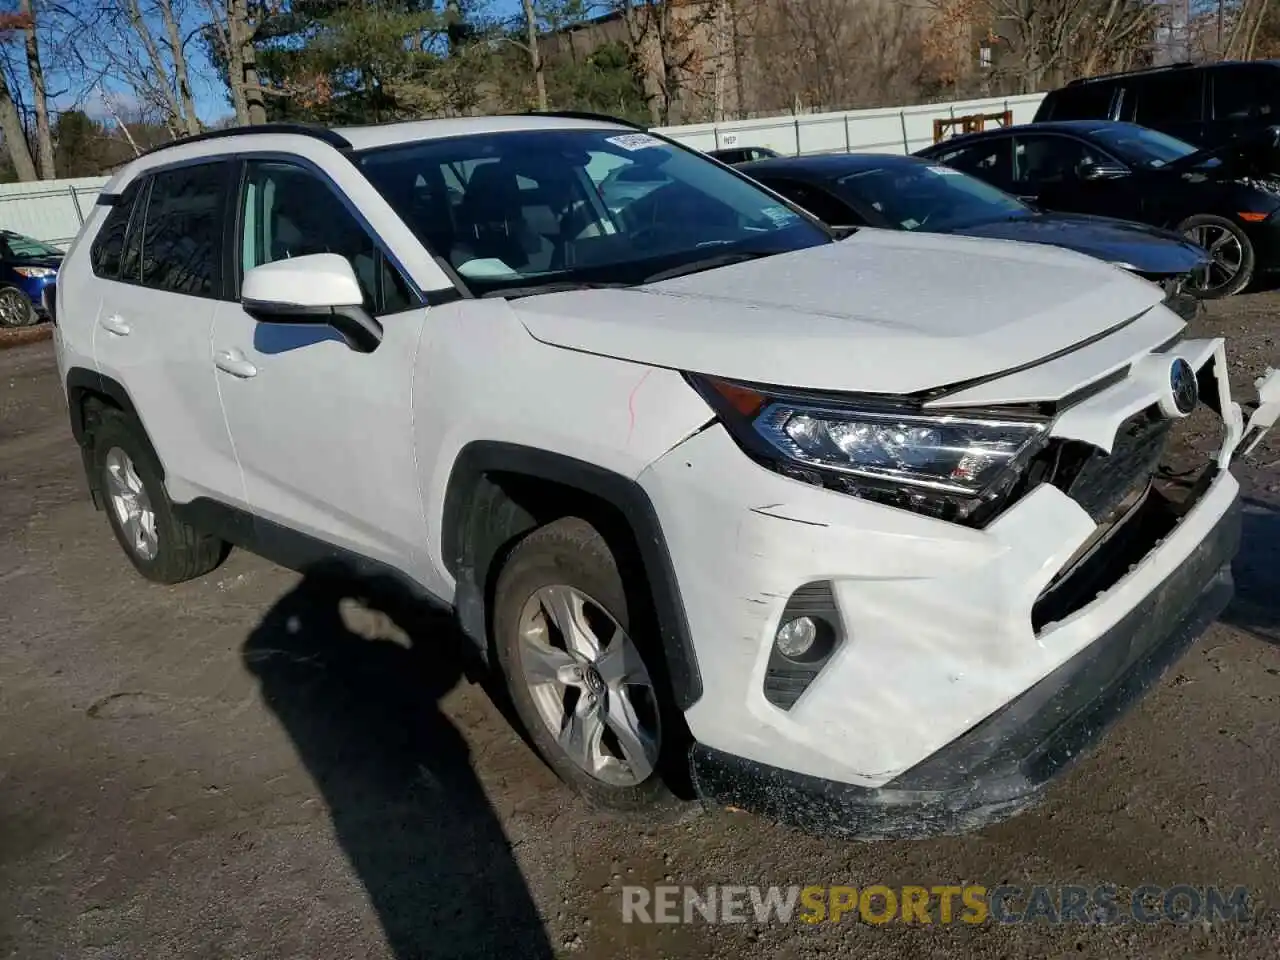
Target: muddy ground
246	766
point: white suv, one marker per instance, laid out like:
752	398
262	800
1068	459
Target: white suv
868	533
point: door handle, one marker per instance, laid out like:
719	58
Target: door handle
234	363
115	324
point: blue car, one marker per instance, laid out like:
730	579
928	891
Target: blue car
27	266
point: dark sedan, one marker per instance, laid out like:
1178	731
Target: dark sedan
1226	199
906	193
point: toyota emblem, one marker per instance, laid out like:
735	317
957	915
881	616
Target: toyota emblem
1186	391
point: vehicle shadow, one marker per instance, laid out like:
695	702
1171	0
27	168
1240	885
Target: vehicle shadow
363	711
1256	605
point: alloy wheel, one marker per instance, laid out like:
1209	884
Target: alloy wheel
590	685
131	504
1225	251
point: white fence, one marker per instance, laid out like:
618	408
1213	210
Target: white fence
878	130
52	210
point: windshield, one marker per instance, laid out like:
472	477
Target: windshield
1141	147
539	207
25	248
912	196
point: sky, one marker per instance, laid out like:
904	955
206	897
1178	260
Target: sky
210	93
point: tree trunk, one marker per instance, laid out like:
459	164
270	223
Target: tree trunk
143	32
44	138
15	137
535	58
189	121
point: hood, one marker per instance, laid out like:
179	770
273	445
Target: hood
1148	250
881	312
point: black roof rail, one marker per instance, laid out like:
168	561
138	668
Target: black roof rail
1182	65
323	134
583	115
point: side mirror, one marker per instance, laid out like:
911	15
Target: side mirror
319	288
1105	170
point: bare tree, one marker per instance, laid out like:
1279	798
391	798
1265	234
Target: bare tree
666	38
535	57
15	137
39	95
829	54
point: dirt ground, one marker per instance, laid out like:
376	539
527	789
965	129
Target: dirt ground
253	766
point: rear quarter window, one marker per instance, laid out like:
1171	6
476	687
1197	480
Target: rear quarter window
108	245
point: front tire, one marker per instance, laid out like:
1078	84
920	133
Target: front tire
161	547
16	309
588	691
1234	259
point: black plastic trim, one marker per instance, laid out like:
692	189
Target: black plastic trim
1003	764
81	381
482	457
293	550
361	331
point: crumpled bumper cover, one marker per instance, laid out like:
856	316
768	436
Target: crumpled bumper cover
1001	765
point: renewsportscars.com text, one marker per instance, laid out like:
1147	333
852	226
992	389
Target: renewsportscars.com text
936	904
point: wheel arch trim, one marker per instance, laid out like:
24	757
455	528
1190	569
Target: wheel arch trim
482	457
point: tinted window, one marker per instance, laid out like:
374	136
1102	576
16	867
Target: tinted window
603	205
1165	98
289	212
1088	101
1244	93
1046	159
181	230
914	196
1140	147
108	245
987	159
817	201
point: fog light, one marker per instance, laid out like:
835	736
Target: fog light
795	637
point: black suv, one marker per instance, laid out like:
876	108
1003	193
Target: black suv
1203	104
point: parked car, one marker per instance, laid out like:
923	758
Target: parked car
867	534
1225	199
1205	104
908	193
27	266
735	155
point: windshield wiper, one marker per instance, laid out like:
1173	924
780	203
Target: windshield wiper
558	286
708	263
843	233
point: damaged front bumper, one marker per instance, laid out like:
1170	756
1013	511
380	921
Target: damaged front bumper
975	664
1001	765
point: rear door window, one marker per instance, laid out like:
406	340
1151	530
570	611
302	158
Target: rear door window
1088	101
1162	99
987	160
1246	93
181	230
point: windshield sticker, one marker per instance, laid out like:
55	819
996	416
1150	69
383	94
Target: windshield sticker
945	171
634	141
780	215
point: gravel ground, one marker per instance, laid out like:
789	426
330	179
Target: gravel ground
253	766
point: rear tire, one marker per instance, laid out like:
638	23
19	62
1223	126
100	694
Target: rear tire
1234	259
615	701
161	547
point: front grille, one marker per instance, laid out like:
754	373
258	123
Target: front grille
1157	471
1106	483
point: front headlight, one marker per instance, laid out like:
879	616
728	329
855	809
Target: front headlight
953	466
34	272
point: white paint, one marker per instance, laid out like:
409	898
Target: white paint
314	280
